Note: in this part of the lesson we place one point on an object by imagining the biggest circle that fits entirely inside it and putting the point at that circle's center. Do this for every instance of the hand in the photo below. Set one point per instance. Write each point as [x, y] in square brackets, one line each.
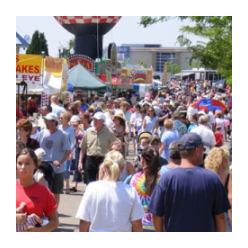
[33, 229]
[56, 163]
[70, 156]
[80, 166]
[35, 218]
[33, 223]
[21, 207]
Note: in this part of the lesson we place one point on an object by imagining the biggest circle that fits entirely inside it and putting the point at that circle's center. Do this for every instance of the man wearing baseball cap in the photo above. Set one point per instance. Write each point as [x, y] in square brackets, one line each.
[189, 198]
[95, 144]
[57, 148]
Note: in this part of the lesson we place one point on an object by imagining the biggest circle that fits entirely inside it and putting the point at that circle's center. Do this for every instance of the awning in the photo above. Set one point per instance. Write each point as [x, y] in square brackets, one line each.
[80, 78]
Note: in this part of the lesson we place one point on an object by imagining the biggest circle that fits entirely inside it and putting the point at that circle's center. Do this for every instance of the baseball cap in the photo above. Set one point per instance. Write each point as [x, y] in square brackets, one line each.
[75, 119]
[51, 117]
[189, 141]
[99, 116]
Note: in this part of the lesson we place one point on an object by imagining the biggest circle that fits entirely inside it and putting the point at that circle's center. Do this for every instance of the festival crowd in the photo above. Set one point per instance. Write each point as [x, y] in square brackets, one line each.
[179, 179]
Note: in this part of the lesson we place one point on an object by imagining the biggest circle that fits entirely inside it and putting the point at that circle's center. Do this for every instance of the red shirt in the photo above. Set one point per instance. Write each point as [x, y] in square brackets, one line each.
[219, 138]
[38, 199]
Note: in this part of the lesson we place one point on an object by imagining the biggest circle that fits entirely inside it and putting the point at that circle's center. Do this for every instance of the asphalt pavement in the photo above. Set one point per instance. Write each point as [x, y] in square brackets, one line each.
[67, 210]
[69, 204]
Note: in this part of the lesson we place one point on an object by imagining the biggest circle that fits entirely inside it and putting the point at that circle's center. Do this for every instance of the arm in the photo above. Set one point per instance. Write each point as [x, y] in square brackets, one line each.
[137, 226]
[80, 161]
[158, 223]
[220, 223]
[84, 226]
[161, 148]
[58, 163]
[229, 189]
[143, 127]
[163, 117]
[52, 224]
[83, 146]
[130, 168]
[21, 218]
[155, 128]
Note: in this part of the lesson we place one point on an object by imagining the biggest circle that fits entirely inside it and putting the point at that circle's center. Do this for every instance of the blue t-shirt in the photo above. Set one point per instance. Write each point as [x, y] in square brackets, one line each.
[180, 127]
[55, 145]
[71, 135]
[189, 198]
[168, 137]
[164, 169]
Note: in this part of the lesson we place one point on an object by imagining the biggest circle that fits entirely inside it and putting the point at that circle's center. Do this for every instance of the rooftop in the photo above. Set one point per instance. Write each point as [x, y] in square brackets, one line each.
[20, 41]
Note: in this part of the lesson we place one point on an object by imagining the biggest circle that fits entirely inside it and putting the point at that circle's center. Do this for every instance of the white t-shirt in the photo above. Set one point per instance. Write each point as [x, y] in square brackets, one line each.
[221, 122]
[206, 134]
[56, 109]
[150, 123]
[110, 206]
[134, 116]
[108, 120]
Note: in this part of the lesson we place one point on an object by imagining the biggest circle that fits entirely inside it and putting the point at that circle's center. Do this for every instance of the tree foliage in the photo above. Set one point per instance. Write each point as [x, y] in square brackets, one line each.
[38, 44]
[173, 68]
[66, 52]
[216, 52]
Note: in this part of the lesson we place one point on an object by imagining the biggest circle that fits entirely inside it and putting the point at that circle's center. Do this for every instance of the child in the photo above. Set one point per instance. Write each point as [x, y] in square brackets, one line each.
[218, 136]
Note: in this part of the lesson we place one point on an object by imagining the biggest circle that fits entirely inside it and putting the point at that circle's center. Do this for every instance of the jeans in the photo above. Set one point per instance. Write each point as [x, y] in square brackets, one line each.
[67, 167]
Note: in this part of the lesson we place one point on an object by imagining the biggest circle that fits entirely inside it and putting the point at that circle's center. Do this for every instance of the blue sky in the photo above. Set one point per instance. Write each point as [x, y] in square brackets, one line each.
[127, 30]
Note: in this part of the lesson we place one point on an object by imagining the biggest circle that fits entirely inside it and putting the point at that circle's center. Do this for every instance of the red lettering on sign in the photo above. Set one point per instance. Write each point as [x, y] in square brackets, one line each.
[28, 69]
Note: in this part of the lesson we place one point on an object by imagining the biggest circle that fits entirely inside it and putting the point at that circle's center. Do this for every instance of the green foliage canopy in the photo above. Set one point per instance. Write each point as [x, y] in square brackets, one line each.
[216, 53]
[38, 44]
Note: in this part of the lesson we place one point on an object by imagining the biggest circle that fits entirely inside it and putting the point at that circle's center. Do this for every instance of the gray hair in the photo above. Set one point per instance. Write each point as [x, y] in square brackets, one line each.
[203, 119]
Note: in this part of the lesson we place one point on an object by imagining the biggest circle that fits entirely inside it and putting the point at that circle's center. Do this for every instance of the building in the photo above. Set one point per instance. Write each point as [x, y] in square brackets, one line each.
[20, 43]
[154, 55]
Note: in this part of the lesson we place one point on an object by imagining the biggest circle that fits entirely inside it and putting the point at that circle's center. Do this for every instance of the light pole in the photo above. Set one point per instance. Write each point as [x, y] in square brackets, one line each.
[42, 67]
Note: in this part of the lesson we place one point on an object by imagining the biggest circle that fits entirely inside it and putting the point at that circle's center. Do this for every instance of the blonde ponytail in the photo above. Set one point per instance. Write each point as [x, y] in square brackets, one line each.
[112, 166]
[115, 171]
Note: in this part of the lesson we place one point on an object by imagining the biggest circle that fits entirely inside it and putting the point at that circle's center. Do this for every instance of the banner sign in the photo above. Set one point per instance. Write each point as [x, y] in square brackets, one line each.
[84, 60]
[53, 65]
[29, 69]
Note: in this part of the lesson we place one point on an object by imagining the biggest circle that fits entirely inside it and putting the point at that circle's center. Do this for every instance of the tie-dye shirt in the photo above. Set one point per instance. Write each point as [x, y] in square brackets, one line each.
[138, 182]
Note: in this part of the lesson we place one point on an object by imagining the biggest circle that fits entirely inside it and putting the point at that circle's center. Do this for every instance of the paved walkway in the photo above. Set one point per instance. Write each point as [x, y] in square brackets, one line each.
[67, 210]
[69, 204]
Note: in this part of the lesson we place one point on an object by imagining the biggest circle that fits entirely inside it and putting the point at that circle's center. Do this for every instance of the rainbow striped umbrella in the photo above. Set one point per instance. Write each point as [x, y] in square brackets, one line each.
[209, 104]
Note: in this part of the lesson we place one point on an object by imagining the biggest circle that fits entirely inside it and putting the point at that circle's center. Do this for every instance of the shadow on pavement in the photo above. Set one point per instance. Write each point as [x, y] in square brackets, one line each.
[66, 228]
[64, 215]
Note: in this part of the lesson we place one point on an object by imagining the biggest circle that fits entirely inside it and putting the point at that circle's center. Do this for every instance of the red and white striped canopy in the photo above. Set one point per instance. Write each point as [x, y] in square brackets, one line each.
[87, 19]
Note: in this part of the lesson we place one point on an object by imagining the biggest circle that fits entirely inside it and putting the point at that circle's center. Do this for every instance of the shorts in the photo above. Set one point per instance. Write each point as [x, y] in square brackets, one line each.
[58, 183]
[67, 167]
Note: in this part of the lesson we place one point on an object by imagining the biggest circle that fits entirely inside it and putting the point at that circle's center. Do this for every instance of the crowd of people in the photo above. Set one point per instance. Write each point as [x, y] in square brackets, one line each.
[179, 179]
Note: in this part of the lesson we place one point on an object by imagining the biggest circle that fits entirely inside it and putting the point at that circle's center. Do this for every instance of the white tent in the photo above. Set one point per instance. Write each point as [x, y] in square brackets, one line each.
[52, 84]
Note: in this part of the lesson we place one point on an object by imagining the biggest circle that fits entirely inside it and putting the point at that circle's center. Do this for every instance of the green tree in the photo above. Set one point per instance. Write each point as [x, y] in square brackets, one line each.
[195, 63]
[216, 52]
[38, 44]
[66, 52]
[142, 63]
[43, 44]
[173, 68]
